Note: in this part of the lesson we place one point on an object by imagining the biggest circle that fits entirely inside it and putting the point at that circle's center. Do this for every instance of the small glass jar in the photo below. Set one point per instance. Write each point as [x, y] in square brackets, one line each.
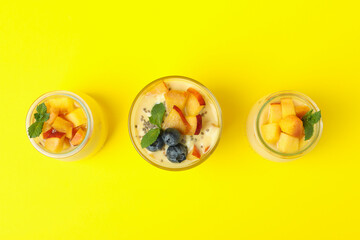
[178, 81]
[96, 132]
[254, 123]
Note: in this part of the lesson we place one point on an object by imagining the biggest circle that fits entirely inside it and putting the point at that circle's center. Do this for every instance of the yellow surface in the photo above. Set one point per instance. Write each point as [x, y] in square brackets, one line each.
[241, 50]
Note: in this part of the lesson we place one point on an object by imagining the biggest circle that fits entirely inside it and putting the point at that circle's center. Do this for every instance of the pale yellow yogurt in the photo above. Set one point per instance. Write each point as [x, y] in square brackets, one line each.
[205, 141]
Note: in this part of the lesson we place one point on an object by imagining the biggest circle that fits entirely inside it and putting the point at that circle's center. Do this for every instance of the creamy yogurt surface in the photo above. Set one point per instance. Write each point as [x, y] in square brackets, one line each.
[205, 141]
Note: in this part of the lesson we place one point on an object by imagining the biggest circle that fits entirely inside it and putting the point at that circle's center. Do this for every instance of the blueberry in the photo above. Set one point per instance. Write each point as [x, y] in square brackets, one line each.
[157, 145]
[171, 136]
[177, 153]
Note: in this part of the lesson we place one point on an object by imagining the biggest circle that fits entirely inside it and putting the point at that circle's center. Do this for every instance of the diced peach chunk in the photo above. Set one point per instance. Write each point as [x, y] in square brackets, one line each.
[78, 137]
[61, 125]
[159, 89]
[177, 120]
[55, 144]
[288, 144]
[54, 112]
[195, 103]
[292, 125]
[63, 104]
[301, 110]
[52, 133]
[287, 107]
[77, 117]
[175, 98]
[66, 144]
[195, 124]
[271, 132]
[194, 154]
[275, 113]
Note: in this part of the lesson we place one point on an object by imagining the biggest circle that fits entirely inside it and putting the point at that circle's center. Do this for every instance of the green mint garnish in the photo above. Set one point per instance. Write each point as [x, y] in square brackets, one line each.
[40, 117]
[150, 137]
[156, 118]
[157, 114]
[309, 119]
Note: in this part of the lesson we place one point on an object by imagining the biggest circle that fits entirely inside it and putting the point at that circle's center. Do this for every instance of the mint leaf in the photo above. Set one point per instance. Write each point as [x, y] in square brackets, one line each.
[35, 129]
[157, 114]
[150, 137]
[309, 119]
[315, 117]
[41, 109]
[309, 130]
[307, 115]
[40, 117]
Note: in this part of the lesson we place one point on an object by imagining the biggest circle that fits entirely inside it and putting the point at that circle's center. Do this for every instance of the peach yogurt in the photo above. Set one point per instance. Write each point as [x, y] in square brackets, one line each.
[284, 126]
[66, 126]
[175, 123]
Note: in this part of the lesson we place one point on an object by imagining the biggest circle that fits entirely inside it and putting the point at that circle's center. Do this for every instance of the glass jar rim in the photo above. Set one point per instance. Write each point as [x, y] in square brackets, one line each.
[309, 102]
[83, 105]
[218, 110]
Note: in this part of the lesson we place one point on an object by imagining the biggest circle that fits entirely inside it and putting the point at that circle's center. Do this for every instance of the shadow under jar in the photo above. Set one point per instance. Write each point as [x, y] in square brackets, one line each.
[78, 122]
[260, 114]
[161, 91]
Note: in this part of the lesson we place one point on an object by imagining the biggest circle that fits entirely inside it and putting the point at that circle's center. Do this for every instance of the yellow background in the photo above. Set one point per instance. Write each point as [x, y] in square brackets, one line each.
[241, 50]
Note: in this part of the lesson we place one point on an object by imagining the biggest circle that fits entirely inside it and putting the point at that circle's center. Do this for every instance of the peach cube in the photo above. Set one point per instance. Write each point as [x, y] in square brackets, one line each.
[63, 104]
[275, 113]
[301, 110]
[292, 125]
[175, 98]
[61, 125]
[288, 144]
[271, 132]
[195, 102]
[287, 107]
[159, 89]
[177, 120]
[54, 144]
[195, 124]
[77, 117]
[78, 137]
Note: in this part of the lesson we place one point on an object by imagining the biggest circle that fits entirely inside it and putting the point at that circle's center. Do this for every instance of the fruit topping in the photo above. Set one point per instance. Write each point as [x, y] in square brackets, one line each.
[195, 124]
[159, 89]
[54, 112]
[61, 125]
[288, 144]
[177, 120]
[301, 110]
[194, 154]
[195, 103]
[287, 107]
[175, 97]
[275, 113]
[77, 117]
[177, 153]
[171, 136]
[78, 137]
[52, 133]
[271, 132]
[54, 144]
[63, 104]
[292, 125]
[157, 145]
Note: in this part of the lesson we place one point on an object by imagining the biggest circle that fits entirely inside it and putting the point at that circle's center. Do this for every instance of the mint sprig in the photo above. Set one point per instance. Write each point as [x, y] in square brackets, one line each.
[309, 120]
[150, 137]
[156, 118]
[157, 114]
[41, 116]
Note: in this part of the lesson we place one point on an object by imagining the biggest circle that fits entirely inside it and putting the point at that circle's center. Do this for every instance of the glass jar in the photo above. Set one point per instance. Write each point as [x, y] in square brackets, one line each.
[254, 123]
[96, 132]
[178, 83]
